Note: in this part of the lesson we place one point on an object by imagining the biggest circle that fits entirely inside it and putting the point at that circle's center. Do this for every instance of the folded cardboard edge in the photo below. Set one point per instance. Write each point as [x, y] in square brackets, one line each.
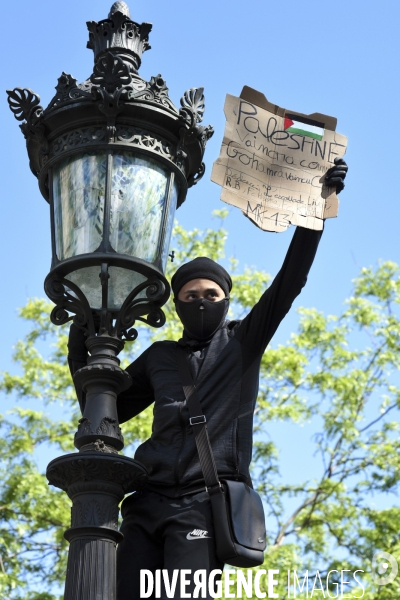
[251, 95]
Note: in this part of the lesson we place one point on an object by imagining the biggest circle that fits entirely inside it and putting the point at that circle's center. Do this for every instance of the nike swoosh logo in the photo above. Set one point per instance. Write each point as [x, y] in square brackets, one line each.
[197, 537]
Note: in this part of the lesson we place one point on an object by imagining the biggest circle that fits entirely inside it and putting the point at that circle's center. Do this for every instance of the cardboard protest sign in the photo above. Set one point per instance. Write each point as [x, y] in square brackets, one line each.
[273, 162]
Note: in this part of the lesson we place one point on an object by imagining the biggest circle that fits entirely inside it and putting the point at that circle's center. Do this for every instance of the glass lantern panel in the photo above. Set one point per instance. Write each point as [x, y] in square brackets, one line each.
[120, 284]
[78, 195]
[138, 197]
[169, 223]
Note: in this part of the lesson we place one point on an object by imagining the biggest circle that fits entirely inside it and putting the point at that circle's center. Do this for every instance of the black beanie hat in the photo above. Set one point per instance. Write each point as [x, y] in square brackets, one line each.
[201, 268]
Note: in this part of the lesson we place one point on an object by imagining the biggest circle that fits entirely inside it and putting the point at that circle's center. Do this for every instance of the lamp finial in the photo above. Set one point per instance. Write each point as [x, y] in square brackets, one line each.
[121, 7]
[119, 35]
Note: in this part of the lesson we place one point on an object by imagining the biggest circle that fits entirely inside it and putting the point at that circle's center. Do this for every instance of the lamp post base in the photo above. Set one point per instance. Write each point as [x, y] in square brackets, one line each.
[97, 579]
[96, 482]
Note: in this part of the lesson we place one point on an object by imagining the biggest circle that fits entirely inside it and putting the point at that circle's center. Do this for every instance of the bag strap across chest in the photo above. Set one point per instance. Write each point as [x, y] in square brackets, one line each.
[238, 516]
[198, 422]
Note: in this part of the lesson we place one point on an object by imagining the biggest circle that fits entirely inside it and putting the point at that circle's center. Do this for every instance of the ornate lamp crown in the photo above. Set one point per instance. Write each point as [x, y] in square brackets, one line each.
[138, 114]
[119, 35]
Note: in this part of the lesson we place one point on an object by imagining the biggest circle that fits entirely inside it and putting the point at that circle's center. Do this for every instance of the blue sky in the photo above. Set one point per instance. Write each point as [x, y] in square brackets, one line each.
[309, 56]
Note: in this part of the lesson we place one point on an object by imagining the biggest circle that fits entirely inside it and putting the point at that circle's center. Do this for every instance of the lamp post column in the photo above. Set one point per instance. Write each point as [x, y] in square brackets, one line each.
[114, 158]
[98, 477]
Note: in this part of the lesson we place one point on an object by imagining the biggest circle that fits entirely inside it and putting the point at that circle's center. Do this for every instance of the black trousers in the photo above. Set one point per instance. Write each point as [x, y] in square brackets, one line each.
[164, 533]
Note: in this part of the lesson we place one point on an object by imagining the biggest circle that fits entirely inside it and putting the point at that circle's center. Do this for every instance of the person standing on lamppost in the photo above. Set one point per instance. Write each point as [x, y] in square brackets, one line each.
[161, 524]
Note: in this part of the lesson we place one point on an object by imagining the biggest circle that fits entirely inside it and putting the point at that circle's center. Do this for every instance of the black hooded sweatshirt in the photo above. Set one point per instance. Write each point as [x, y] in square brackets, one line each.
[226, 374]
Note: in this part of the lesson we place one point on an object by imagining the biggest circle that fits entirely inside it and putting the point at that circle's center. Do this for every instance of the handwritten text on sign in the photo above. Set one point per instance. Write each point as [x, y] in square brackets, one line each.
[272, 167]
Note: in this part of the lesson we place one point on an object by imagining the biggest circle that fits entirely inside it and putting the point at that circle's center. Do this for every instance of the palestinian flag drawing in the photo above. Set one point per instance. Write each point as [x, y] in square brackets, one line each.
[303, 126]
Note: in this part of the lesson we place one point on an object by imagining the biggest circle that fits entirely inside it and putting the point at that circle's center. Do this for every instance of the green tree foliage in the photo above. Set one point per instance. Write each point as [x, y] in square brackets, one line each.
[337, 377]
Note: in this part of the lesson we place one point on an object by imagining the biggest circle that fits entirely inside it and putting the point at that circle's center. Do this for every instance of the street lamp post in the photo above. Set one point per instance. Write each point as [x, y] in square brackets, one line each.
[114, 158]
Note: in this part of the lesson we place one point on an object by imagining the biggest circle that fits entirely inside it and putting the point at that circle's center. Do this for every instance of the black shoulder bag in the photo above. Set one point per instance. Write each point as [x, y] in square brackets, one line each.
[238, 513]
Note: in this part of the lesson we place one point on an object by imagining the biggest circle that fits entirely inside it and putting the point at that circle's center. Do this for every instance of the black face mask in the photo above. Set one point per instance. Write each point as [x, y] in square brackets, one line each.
[202, 318]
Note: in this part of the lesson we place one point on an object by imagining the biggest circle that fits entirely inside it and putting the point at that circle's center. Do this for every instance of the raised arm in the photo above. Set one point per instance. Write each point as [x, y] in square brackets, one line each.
[257, 329]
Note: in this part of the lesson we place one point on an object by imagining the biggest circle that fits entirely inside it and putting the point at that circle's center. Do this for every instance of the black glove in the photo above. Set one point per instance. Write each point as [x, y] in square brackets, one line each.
[335, 176]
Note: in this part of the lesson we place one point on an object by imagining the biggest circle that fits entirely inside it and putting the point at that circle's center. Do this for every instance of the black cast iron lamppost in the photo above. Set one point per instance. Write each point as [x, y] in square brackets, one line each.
[114, 158]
